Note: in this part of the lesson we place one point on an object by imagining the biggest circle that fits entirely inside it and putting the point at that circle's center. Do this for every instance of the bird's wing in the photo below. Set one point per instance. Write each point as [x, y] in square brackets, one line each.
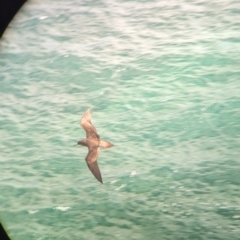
[91, 160]
[87, 125]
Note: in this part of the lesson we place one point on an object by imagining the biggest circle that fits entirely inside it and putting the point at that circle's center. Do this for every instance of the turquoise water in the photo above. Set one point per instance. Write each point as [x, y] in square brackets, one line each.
[162, 79]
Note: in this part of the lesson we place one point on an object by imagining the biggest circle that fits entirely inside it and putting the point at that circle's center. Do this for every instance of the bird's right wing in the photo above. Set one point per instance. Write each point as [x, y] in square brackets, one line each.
[87, 125]
[91, 160]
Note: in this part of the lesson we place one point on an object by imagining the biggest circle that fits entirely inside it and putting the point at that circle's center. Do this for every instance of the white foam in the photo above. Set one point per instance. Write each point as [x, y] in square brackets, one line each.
[61, 208]
[32, 211]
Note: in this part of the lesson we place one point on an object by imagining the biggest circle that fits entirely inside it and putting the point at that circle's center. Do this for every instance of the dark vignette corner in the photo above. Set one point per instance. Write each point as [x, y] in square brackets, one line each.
[8, 9]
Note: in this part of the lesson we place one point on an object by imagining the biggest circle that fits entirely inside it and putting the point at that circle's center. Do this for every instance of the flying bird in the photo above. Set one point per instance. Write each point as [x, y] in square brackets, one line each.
[94, 143]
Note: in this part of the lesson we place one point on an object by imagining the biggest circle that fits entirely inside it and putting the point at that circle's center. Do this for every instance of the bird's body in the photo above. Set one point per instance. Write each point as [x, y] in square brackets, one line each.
[93, 142]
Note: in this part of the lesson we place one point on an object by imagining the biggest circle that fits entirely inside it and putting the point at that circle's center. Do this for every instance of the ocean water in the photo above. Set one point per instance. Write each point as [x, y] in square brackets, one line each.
[162, 79]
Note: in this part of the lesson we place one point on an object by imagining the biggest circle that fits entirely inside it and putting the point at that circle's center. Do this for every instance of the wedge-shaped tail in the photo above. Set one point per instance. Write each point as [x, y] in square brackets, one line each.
[105, 144]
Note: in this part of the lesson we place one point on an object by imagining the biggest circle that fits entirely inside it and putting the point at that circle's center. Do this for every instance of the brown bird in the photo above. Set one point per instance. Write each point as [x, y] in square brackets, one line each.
[93, 142]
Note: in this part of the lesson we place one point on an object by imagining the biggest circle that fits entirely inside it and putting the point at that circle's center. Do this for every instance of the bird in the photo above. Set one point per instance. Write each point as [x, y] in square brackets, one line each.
[94, 143]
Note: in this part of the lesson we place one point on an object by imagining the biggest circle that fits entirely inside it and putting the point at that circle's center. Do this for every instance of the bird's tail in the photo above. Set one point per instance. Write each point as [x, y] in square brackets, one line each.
[105, 144]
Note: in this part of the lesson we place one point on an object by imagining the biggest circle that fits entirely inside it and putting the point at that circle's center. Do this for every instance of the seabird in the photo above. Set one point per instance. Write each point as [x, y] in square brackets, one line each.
[93, 142]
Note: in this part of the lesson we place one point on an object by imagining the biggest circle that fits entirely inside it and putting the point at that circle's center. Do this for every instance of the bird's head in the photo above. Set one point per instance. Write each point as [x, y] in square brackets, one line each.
[82, 143]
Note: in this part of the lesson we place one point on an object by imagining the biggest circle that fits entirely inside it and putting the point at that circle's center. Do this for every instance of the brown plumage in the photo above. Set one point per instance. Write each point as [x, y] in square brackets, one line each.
[93, 142]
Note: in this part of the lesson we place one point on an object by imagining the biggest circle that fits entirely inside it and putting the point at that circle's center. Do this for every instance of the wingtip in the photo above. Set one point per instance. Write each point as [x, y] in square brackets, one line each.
[100, 180]
[88, 110]
[86, 116]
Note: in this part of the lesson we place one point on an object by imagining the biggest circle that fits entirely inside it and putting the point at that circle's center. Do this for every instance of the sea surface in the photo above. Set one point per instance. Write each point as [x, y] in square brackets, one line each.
[162, 79]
